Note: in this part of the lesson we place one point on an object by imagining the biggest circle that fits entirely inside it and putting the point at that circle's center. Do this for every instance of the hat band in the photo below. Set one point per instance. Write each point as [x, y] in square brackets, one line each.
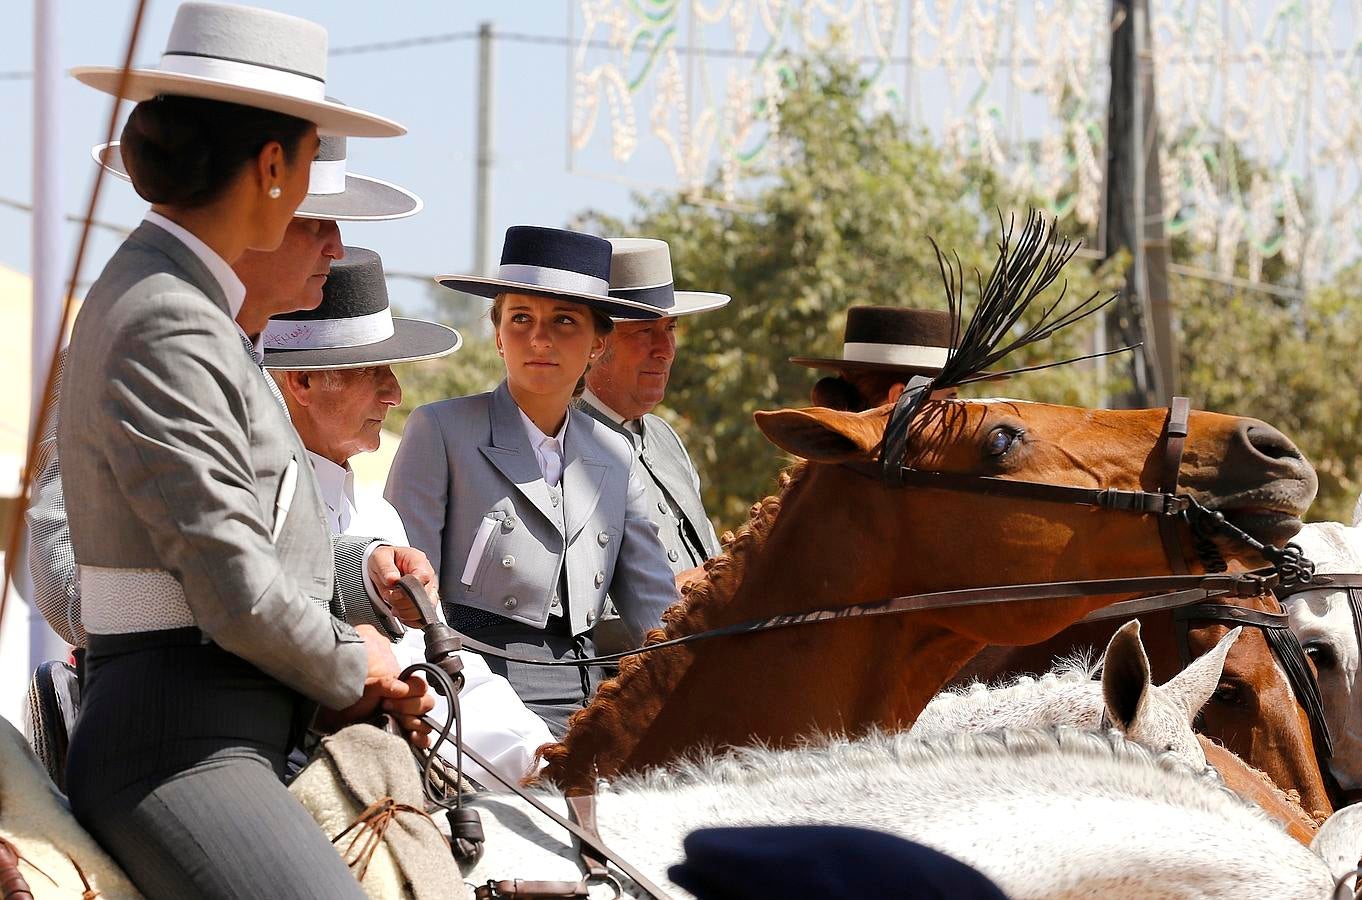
[660, 296]
[896, 354]
[329, 334]
[552, 279]
[327, 176]
[248, 75]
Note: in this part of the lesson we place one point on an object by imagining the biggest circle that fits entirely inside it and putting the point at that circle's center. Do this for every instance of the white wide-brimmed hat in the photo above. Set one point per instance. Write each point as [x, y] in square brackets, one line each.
[641, 271]
[353, 327]
[254, 57]
[553, 262]
[333, 193]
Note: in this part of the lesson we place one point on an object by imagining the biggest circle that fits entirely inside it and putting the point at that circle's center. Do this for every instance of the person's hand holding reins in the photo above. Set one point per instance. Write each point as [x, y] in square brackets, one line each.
[406, 700]
[387, 564]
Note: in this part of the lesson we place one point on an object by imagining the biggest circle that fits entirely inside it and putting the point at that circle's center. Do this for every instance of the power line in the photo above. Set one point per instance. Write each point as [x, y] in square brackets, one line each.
[120, 230]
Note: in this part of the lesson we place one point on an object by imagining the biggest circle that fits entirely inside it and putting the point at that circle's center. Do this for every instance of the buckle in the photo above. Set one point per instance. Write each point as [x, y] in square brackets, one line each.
[1249, 585]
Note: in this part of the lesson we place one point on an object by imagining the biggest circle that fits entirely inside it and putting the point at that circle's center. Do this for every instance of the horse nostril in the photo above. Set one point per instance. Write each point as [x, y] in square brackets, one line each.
[1269, 442]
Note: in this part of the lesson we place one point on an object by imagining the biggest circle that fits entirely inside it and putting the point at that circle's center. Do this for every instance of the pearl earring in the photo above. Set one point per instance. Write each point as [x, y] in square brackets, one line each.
[275, 192]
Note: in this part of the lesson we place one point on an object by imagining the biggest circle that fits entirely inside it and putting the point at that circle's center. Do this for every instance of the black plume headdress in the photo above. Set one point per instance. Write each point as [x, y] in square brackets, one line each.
[1024, 270]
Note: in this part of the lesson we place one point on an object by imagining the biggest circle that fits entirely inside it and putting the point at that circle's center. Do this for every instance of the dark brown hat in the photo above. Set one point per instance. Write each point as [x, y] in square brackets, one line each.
[890, 339]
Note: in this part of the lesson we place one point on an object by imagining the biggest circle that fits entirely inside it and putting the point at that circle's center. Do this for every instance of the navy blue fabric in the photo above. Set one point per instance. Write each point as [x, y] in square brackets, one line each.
[663, 296]
[556, 248]
[823, 861]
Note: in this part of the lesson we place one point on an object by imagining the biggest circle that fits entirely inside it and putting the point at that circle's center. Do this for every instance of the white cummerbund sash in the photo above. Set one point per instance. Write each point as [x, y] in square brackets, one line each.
[327, 176]
[260, 78]
[896, 354]
[126, 601]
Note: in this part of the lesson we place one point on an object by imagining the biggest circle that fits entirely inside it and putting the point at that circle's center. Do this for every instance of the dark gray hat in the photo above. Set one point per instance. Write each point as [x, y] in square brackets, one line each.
[890, 338]
[240, 54]
[333, 193]
[353, 326]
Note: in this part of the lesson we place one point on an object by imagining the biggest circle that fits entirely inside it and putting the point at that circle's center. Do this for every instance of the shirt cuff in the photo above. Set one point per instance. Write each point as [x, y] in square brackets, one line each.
[357, 600]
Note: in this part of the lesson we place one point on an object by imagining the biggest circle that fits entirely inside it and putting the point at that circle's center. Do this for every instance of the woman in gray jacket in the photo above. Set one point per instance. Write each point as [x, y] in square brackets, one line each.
[204, 561]
[528, 508]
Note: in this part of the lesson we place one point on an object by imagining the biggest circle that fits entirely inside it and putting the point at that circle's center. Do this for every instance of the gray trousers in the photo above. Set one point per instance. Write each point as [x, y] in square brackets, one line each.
[175, 767]
[552, 693]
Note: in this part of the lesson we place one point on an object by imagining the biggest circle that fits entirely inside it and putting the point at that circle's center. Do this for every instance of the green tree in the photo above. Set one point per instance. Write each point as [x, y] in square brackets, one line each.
[841, 217]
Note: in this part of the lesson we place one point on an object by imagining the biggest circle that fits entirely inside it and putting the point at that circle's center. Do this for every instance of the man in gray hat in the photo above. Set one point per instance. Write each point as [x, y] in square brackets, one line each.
[333, 365]
[628, 381]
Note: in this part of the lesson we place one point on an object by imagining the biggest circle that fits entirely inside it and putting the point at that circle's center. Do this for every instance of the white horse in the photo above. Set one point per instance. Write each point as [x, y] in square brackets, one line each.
[1157, 717]
[1323, 621]
[1053, 814]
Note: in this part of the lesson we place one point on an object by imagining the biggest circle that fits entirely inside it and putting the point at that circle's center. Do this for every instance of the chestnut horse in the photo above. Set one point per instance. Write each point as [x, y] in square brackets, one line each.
[837, 537]
[1254, 713]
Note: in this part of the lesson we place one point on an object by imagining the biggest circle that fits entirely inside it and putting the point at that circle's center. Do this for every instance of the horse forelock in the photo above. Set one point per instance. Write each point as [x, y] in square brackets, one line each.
[643, 681]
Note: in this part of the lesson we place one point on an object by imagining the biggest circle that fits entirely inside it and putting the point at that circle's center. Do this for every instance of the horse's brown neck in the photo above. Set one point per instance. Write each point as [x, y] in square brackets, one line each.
[774, 687]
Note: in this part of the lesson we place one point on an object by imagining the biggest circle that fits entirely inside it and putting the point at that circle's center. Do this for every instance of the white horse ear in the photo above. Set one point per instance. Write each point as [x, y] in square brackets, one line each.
[1125, 676]
[1194, 685]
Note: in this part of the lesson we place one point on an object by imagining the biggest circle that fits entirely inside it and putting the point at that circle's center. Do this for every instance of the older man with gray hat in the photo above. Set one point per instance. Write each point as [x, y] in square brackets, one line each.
[624, 386]
[333, 365]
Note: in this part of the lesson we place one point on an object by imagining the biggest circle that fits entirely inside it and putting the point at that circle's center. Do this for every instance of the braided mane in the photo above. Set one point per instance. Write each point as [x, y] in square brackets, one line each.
[645, 681]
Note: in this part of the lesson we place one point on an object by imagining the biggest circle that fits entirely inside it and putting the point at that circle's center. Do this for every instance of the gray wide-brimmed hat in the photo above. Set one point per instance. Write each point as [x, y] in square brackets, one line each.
[240, 54]
[890, 339]
[553, 262]
[641, 270]
[332, 192]
[353, 326]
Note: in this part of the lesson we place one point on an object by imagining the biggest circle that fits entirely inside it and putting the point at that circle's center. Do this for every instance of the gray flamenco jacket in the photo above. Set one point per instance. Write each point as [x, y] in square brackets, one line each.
[173, 454]
[468, 487]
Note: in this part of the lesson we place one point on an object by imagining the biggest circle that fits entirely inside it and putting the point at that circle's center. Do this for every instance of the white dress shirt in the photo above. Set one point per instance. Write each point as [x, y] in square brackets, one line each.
[548, 451]
[599, 404]
[495, 722]
[219, 268]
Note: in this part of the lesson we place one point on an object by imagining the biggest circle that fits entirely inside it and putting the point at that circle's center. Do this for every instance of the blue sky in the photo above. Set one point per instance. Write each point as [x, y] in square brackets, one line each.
[429, 89]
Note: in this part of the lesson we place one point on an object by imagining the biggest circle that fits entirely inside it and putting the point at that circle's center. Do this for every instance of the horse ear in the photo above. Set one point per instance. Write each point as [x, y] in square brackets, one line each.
[1125, 675]
[1194, 685]
[822, 435]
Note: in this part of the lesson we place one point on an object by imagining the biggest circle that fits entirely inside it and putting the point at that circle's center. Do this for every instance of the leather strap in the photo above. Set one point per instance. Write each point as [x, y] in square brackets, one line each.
[532, 890]
[582, 810]
[1175, 439]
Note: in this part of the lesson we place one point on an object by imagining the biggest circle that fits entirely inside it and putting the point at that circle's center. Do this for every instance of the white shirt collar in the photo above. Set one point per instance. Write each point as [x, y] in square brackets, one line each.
[231, 285]
[337, 485]
[544, 446]
[257, 346]
[599, 405]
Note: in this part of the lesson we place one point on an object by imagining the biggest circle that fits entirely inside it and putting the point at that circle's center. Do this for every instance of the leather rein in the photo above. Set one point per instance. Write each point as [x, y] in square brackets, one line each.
[1288, 568]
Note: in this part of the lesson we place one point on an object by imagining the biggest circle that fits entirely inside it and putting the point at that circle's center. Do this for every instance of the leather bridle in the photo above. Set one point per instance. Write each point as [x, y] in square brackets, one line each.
[1288, 568]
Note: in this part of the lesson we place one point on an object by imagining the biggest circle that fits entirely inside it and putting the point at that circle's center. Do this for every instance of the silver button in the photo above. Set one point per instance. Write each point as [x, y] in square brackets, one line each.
[557, 605]
[553, 498]
[510, 602]
[673, 555]
[591, 618]
[600, 579]
[508, 524]
[603, 538]
[662, 507]
[508, 560]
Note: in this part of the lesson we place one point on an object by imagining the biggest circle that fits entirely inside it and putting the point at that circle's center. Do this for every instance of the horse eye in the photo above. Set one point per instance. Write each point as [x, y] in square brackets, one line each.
[1001, 440]
[1228, 693]
[1322, 655]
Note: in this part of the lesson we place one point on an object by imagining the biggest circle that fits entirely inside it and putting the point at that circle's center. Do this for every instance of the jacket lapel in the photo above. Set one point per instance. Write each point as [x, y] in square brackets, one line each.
[512, 454]
[583, 476]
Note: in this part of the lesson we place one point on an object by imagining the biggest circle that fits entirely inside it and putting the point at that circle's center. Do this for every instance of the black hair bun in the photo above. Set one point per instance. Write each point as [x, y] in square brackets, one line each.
[168, 151]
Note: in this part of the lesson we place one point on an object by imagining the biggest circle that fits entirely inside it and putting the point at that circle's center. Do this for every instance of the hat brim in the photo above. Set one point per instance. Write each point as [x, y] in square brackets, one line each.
[828, 362]
[613, 307]
[329, 117]
[688, 303]
[413, 340]
[364, 199]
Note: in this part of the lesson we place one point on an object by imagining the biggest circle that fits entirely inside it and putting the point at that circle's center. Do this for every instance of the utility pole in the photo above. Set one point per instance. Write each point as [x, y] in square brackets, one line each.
[1134, 212]
[48, 290]
[482, 202]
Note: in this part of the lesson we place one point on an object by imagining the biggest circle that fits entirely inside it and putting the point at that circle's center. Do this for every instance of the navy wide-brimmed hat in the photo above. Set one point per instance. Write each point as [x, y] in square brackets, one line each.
[333, 193]
[354, 326]
[553, 262]
[239, 54]
[641, 270]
